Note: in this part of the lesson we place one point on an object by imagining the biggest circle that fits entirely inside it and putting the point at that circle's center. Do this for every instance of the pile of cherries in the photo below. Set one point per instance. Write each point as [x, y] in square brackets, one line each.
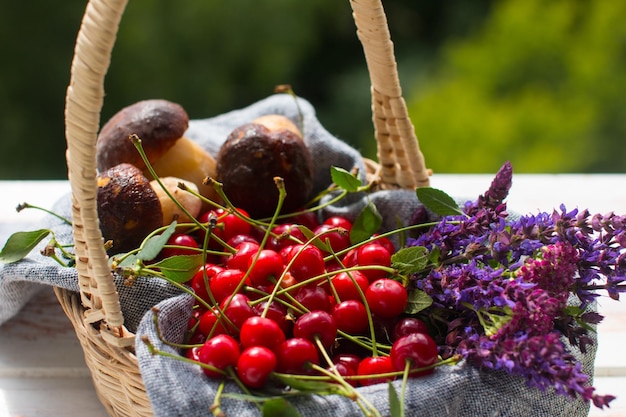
[290, 306]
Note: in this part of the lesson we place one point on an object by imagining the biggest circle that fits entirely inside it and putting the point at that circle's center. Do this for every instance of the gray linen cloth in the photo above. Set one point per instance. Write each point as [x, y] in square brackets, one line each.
[179, 389]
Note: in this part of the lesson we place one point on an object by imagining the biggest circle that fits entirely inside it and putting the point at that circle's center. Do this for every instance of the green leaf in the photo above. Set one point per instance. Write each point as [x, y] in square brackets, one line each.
[153, 245]
[410, 260]
[317, 387]
[344, 179]
[180, 268]
[366, 224]
[20, 244]
[279, 407]
[396, 408]
[438, 201]
[127, 261]
[315, 241]
[418, 301]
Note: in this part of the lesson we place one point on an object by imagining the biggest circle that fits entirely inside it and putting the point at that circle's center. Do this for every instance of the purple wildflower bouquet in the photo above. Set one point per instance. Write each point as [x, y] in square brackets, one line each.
[508, 292]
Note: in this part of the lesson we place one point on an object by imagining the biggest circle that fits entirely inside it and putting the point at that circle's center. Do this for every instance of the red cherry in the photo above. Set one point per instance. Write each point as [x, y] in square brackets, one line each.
[313, 297]
[306, 261]
[295, 355]
[386, 298]
[316, 324]
[339, 221]
[345, 371]
[345, 283]
[417, 348]
[409, 325]
[221, 352]
[350, 316]
[237, 309]
[182, 240]
[337, 239]
[227, 224]
[210, 324]
[385, 243]
[200, 281]
[192, 353]
[255, 365]
[349, 259]
[261, 331]
[373, 254]
[224, 283]
[373, 366]
[239, 239]
[233, 224]
[241, 258]
[349, 359]
[276, 312]
[308, 219]
[283, 235]
[267, 265]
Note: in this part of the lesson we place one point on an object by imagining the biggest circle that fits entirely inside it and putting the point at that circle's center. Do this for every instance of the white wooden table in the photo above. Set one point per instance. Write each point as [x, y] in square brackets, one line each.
[42, 371]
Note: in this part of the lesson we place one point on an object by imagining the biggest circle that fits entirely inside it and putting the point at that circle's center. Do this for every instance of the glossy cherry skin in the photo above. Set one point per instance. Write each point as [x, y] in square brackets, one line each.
[350, 317]
[237, 309]
[266, 266]
[337, 238]
[339, 221]
[373, 254]
[201, 279]
[313, 297]
[375, 365]
[419, 349]
[255, 365]
[295, 355]
[221, 352]
[261, 331]
[347, 283]
[180, 239]
[210, 323]
[241, 258]
[303, 261]
[284, 235]
[386, 298]
[225, 282]
[349, 359]
[408, 325]
[316, 324]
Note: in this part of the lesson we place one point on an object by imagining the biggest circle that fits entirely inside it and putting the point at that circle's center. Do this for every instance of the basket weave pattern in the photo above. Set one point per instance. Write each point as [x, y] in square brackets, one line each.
[95, 312]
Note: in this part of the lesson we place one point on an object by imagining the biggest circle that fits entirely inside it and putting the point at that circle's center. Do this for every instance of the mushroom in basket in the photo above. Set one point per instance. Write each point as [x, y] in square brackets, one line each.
[160, 124]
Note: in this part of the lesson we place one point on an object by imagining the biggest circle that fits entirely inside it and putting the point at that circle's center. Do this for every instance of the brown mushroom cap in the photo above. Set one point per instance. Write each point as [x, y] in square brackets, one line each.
[128, 207]
[158, 123]
[252, 156]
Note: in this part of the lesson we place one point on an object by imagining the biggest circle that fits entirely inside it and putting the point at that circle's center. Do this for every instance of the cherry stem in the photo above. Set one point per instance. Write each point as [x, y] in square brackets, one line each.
[137, 142]
[25, 205]
[215, 408]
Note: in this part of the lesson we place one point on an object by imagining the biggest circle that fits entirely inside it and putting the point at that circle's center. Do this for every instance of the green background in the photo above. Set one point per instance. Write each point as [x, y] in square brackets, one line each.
[541, 84]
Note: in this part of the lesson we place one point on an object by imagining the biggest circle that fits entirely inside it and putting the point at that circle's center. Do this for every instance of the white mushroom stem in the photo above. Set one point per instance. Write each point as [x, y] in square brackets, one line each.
[190, 162]
[170, 209]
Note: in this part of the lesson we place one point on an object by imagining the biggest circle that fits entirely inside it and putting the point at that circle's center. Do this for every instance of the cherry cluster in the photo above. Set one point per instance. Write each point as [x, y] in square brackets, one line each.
[276, 303]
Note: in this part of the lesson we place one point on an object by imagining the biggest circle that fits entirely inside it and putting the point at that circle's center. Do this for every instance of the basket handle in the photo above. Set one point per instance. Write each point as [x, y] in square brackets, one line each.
[83, 104]
[401, 161]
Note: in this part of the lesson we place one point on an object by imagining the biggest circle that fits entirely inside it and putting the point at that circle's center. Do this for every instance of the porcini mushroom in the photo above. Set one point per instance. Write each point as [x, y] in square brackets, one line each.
[160, 124]
[130, 206]
[255, 153]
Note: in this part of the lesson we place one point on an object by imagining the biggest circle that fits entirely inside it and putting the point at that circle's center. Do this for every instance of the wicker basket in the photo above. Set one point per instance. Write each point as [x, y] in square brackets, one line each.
[95, 312]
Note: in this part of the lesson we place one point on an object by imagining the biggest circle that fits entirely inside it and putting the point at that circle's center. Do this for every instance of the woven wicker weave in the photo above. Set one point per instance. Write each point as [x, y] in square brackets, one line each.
[95, 312]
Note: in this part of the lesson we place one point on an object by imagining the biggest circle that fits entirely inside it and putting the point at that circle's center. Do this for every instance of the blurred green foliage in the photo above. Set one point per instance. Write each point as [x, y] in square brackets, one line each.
[537, 83]
[541, 84]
